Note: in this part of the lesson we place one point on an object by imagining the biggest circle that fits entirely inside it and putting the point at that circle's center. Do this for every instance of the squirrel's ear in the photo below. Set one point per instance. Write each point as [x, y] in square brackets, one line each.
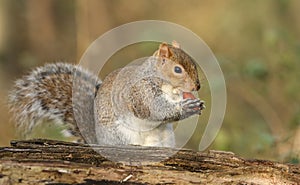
[175, 44]
[164, 50]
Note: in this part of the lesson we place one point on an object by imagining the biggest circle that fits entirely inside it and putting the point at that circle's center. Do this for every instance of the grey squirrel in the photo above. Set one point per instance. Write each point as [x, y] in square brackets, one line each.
[133, 105]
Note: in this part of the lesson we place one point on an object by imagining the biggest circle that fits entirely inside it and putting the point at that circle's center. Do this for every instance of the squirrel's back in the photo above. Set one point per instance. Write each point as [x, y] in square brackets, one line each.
[45, 95]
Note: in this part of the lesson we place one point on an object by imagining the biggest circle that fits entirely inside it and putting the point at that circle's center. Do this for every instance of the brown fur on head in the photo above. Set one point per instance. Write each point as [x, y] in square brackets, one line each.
[182, 59]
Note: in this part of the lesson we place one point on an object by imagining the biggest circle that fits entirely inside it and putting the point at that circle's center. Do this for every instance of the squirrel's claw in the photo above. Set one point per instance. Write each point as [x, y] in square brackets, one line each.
[202, 106]
[192, 106]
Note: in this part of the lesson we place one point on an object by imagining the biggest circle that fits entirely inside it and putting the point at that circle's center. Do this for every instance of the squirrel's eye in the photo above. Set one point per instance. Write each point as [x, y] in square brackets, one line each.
[178, 69]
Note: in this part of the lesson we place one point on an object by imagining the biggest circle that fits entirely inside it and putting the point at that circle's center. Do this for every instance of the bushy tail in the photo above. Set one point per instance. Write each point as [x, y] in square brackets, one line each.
[46, 94]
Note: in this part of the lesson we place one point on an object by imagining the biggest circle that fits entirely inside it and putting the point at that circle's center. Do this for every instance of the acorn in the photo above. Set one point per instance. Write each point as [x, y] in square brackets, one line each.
[188, 95]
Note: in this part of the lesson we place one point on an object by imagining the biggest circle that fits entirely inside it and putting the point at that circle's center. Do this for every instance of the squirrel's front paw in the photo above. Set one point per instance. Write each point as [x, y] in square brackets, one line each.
[192, 106]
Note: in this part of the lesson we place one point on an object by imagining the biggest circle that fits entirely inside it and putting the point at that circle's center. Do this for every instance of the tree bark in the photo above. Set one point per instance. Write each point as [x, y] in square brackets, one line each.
[55, 162]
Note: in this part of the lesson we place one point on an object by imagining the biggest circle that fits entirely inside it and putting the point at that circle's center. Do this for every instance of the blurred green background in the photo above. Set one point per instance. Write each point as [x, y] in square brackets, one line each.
[257, 44]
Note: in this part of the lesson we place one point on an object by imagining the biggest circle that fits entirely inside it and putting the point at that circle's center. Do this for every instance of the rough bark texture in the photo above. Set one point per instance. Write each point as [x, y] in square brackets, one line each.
[57, 163]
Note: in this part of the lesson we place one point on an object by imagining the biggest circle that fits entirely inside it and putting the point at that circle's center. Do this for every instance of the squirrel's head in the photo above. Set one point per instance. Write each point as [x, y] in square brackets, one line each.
[178, 67]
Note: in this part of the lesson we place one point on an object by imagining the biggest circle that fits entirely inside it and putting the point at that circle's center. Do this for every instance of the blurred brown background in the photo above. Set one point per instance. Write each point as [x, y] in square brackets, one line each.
[257, 44]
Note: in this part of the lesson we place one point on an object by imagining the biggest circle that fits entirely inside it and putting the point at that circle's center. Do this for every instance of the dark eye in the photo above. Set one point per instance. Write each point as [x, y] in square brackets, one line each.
[178, 69]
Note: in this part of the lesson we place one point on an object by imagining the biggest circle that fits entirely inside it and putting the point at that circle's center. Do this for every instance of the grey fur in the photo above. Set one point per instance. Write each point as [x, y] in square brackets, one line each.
[45, 94]
[134, 105]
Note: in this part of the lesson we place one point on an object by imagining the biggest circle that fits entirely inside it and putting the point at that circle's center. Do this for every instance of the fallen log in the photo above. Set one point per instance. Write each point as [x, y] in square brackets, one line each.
[56, 163]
